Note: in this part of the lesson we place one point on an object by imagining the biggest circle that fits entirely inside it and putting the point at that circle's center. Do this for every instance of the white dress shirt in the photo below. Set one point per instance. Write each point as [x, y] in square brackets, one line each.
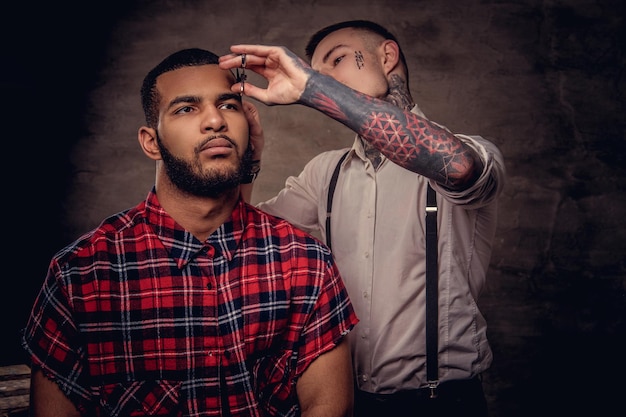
[378, 240]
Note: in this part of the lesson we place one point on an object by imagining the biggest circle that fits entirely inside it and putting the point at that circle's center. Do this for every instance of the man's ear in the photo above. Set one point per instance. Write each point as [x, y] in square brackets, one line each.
[390, 55]
[147, 137]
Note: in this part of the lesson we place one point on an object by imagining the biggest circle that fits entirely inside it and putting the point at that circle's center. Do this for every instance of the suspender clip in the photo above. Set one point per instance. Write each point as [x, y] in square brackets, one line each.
[432, 386]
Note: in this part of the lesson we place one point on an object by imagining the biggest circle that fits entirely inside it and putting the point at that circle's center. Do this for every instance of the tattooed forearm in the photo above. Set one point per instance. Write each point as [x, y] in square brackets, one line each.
[405, 138]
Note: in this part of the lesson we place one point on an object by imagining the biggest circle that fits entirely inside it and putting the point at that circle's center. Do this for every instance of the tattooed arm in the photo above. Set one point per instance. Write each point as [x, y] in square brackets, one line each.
[405, 138]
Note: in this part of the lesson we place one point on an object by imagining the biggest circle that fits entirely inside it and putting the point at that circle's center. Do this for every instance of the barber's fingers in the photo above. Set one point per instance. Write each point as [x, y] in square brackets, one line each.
[251, 112]
[286, 74]
[254, 120]
[251, 90]
[255, 50]
[257, 139]
[259, 58]
[246, 59]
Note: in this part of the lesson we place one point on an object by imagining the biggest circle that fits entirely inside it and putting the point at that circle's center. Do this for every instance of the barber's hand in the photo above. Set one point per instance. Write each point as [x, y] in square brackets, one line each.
[257, 138]
[285, 72]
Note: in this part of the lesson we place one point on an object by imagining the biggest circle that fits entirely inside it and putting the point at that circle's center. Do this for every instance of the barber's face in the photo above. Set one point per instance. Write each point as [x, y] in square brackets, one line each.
[343, 56]
[202, 132]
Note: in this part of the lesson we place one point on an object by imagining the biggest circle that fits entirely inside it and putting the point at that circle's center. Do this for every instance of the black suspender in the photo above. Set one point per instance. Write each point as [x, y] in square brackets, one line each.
[331, 192]
[432, 297]
[432, 307]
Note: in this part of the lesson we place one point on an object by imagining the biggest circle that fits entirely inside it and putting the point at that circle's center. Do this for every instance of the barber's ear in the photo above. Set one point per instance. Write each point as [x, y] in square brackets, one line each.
[147, 137]
[391, 55]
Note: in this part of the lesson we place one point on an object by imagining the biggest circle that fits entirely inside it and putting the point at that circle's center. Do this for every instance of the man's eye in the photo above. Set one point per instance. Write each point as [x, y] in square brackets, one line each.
[229, 106]
[185, 109]
[338, 60]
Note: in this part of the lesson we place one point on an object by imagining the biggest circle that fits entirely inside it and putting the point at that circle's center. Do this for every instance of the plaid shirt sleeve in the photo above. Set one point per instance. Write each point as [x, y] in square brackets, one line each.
[320, 316]
[331, 318]
[50, 338]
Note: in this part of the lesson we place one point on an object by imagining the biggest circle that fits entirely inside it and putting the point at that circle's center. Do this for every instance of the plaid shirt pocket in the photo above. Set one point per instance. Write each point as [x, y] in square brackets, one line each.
[142, 398]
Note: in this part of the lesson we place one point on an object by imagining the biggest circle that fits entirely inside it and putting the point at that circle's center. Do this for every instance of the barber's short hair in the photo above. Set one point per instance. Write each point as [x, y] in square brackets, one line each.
[364, 25]
[184, 58]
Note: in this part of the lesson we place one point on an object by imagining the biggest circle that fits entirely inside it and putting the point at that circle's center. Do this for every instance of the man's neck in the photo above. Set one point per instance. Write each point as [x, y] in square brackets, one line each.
[200, 216]
[399, 93]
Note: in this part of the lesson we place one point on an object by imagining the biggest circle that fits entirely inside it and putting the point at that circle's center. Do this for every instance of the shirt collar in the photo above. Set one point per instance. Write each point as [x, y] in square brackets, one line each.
[184, 246]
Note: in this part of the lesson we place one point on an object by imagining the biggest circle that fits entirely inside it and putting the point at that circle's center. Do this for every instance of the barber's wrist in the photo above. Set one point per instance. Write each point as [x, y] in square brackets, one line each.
[255, 168]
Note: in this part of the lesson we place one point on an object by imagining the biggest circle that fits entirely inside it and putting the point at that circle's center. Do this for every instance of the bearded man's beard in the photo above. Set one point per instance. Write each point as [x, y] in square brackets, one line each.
[190, 178]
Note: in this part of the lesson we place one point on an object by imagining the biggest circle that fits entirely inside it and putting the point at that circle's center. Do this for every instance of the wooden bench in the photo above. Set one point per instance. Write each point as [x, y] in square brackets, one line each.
[14, 390]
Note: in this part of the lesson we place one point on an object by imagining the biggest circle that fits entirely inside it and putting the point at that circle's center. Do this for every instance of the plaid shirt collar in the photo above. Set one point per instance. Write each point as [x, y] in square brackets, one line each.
[182, 245]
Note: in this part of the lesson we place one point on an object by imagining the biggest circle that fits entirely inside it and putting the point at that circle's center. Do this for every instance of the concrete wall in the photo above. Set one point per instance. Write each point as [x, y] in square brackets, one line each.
[542, 79]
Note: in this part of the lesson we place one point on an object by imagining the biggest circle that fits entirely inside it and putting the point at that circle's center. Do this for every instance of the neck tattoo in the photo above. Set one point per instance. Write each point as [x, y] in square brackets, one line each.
[399, 94]
[372, 154]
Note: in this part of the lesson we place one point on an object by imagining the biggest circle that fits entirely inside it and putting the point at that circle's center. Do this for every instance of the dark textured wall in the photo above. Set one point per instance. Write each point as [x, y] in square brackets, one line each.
[542, 79]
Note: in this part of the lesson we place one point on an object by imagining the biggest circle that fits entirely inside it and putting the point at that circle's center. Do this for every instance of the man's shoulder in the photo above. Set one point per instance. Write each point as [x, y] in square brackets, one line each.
[320, 169]
[267, 223]
[111, 229]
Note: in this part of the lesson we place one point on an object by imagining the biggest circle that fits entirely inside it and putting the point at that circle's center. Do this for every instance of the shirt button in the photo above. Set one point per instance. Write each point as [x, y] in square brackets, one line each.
[364, 378]
[209, 286]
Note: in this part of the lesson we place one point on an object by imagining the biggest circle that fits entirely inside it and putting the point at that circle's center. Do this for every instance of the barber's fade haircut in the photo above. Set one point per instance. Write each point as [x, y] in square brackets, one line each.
[365, 25]
[191, 57]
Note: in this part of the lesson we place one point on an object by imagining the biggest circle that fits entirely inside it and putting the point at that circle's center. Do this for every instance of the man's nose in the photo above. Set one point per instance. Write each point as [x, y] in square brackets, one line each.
[213, 119]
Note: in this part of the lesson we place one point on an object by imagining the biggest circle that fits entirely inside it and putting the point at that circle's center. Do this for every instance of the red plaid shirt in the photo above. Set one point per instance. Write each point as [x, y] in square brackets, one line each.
[138, 317]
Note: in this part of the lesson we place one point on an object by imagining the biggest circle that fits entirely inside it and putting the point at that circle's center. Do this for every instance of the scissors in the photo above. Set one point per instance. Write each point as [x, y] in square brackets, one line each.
[242, 77]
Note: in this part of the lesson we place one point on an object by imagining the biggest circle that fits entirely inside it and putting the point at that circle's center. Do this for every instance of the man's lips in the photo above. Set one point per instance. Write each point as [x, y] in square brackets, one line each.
[217, 146]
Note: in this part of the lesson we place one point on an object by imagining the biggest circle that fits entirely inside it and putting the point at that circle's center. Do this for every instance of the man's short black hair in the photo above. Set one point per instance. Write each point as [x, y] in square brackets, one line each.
[183, 58]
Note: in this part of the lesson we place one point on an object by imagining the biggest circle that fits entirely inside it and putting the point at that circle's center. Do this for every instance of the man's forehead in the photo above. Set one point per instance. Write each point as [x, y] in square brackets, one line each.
[209, 69]
[210, 74]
